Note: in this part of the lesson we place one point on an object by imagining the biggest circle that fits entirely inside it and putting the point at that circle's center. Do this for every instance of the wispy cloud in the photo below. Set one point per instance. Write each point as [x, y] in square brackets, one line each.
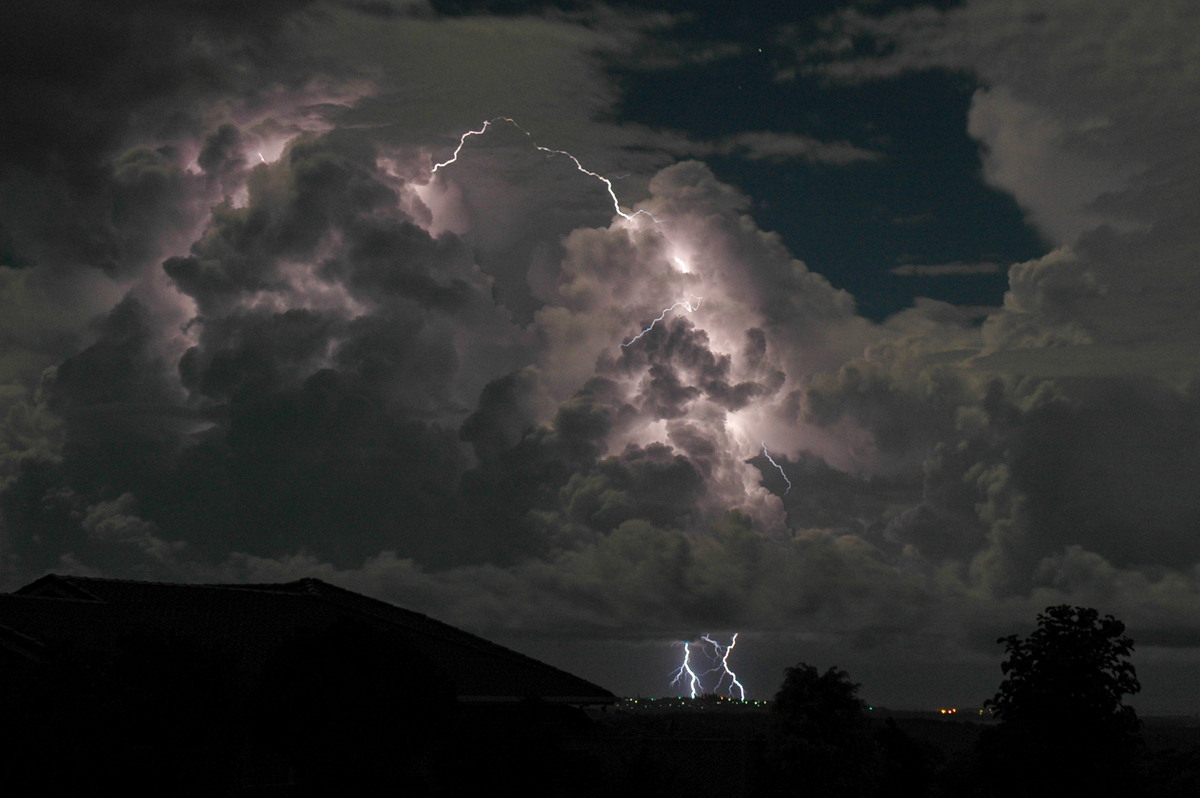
[763, 145]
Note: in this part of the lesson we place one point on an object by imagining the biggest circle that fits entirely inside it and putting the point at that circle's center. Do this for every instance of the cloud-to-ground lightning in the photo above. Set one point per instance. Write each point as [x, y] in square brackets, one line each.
[607, 183]
[690, 303]
[767, 454]
[724, 652]
[686, 669]
[720, 657]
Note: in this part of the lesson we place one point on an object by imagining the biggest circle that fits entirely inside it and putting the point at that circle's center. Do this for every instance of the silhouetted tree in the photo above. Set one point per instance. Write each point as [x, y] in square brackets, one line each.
[1063, 721]
[822, 737]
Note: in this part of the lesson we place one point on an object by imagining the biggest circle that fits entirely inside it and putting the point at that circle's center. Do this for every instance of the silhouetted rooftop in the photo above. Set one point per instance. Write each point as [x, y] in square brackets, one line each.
[248, 622]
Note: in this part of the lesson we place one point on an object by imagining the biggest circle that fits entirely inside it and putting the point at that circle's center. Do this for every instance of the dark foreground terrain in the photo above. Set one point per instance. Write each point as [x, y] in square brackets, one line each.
[727, 749]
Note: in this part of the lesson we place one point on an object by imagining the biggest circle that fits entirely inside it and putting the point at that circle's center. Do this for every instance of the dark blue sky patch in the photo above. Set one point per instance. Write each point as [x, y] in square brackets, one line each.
[924, 201]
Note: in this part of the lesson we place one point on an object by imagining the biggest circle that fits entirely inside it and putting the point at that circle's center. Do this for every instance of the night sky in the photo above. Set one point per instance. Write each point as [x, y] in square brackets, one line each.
[938, 261]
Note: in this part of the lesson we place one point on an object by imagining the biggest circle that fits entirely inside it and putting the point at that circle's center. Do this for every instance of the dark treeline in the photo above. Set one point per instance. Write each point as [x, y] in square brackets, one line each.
[1060, 727]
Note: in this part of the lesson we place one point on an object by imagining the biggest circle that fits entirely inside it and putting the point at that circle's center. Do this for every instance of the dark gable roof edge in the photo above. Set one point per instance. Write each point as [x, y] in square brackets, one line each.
[382, 610]
[91, 590]
[56, 586]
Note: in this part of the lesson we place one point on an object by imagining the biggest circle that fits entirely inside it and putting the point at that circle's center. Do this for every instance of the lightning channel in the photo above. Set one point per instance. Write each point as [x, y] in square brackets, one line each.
[723, 652]
[767, 454]
[686, 303]
[607, 183]
[462, 140]
[685, 669]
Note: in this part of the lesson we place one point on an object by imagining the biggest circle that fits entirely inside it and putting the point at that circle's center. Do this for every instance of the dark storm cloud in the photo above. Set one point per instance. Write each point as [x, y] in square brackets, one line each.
[94, 63]
[223, 158]
[122, 367]
[557, 480]
[326, 186]
[246, 337]
[383, 258]
[247, 353]
[107, 105]
[655, 483]
[1030, 468]
[328, 404]
[290, 452]
[904, 417]
[297, 409]
[121, 427]
[82, 80]
[503, 417]
[1099, 466]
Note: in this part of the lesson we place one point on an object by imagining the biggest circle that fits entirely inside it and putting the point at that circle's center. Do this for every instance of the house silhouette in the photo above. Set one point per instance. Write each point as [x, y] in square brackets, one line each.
[251, 621]
[296, 688]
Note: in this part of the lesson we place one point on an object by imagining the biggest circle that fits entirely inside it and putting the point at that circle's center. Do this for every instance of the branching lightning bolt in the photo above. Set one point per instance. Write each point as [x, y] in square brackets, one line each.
[723, 652]
[686, 669]
[690, 303]
[607, 183]
[687, 304]
[777, 465]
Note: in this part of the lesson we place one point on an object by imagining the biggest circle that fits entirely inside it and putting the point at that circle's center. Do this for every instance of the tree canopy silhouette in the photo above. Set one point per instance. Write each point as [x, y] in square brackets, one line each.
[1075, 665]
[822, 736]
[1061, 703]
[824, 705]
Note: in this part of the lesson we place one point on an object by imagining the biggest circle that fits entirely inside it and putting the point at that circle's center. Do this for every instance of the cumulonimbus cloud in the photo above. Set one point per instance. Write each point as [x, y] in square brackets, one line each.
[486, 394]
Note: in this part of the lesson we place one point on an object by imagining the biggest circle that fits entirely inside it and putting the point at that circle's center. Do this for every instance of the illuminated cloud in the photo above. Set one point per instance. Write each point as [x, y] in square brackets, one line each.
[248, 333]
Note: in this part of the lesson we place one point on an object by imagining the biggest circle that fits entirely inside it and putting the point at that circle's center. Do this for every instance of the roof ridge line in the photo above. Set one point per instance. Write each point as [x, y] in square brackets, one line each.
[477, 641]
